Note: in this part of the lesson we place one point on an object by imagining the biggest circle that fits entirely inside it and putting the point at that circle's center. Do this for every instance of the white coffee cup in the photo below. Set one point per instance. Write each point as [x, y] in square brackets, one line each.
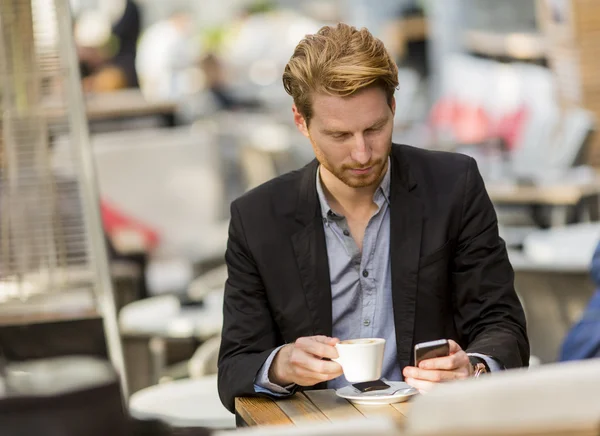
[361, 359]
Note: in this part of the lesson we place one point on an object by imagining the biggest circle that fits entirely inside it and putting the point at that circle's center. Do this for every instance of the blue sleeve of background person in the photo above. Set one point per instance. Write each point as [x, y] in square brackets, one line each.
[595, 267]
[583, 340]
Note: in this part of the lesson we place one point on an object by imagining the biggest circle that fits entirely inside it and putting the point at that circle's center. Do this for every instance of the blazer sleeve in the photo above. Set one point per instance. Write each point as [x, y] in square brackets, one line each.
[249, 332]
[488, 313]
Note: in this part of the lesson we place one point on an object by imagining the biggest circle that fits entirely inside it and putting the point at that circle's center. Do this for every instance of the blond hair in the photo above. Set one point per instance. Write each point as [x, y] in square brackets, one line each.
[338, 61]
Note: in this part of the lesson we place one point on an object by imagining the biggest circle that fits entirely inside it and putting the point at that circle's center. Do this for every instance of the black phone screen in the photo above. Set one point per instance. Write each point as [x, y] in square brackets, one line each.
[431, 350]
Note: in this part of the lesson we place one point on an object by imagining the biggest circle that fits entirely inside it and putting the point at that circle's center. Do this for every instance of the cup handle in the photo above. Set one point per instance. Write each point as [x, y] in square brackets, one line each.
[339, 359]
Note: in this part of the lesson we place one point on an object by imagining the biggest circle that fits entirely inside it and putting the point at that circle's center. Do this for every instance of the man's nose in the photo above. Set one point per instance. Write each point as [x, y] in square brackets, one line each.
[361, 152]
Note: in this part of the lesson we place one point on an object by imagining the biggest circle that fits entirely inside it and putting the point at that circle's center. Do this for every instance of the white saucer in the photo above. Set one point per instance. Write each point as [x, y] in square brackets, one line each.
[398, 392]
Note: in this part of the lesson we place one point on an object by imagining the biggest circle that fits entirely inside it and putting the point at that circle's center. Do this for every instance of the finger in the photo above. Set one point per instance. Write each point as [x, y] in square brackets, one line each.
[326, 340]
[421, 385]
[440, 363]
[305, 377]
[448, 363]
[454, 347]
[317, 348]
[305, 360]
[435, 376]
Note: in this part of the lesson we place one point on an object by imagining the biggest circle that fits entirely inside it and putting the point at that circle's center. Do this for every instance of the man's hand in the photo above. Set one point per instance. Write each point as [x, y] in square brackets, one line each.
[304, 364]
[455, 366]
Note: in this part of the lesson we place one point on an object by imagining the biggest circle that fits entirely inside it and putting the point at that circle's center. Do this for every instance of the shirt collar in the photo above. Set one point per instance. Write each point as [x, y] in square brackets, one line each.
[382, 191]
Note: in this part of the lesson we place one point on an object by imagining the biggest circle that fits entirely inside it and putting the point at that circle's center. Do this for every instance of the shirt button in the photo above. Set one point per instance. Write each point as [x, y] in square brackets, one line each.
[346, 233]
[366, 322]
[365, 273]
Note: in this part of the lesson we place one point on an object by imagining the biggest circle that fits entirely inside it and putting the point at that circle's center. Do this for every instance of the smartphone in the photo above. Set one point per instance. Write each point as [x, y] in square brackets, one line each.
[375, 385]
[431, 349]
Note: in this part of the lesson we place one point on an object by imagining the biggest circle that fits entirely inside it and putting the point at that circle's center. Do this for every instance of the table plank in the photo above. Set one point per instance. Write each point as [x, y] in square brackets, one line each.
[403, 408]
[332, 406]
[300, 410]
[373, 411]
[260, 411]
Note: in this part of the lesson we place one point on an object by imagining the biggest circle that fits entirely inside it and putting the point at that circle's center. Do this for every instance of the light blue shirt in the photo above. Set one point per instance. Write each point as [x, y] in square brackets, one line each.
[361, 286]
[361, 282]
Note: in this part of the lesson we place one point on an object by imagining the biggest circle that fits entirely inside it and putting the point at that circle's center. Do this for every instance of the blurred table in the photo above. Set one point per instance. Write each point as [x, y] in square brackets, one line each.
[513, 45]
[310, 407]
[126, 103]
[559, 197]
[183, 403]
[116, 105]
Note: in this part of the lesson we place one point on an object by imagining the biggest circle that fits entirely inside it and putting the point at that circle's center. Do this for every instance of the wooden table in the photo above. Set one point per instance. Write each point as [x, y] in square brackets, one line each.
[310, 407]
[559, 197]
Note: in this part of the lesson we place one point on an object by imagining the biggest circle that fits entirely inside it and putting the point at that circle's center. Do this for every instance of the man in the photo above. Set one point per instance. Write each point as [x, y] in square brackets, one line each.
[107, 66]
[372, 239]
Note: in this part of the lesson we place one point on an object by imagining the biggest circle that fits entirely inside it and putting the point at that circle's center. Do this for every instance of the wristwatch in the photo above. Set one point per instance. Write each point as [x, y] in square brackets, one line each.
[479, 366]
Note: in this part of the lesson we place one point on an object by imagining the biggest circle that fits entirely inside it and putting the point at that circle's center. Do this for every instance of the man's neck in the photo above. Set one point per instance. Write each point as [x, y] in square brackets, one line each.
[344, 199]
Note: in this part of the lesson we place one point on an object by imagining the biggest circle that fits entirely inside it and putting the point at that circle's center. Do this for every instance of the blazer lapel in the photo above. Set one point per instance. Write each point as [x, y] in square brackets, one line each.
[311, 253]
[406, 218]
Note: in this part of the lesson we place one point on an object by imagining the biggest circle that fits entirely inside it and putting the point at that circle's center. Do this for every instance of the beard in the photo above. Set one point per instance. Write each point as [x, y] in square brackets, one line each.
[345, 174]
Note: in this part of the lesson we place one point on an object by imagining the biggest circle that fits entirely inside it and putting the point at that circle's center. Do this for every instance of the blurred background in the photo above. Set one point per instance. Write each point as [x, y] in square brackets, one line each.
[183, 110]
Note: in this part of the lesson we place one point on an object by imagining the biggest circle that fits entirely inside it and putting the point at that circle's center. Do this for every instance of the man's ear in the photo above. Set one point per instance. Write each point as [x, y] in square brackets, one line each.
[299, 121]
[393, 105]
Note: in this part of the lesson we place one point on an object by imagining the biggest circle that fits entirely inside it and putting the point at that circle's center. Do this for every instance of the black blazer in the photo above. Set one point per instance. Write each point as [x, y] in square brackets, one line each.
[451, 277]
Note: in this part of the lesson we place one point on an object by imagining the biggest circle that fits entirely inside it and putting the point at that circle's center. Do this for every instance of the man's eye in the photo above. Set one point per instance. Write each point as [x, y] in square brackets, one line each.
[340, 136]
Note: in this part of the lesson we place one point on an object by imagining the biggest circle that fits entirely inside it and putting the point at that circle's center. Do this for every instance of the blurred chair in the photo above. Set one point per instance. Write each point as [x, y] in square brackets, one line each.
[205, 360]
[212, 280]
[552, 143]
[207, 289]
[61, 396]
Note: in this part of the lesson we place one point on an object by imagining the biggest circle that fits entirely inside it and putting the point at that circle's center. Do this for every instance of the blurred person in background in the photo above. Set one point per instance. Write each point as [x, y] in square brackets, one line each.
[107, 45]
[216, 84]
[371, 239]
[166, 52]
[583, 340]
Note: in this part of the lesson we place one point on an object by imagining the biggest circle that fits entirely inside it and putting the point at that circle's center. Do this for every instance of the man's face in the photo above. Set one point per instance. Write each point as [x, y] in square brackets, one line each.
[351, 136]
